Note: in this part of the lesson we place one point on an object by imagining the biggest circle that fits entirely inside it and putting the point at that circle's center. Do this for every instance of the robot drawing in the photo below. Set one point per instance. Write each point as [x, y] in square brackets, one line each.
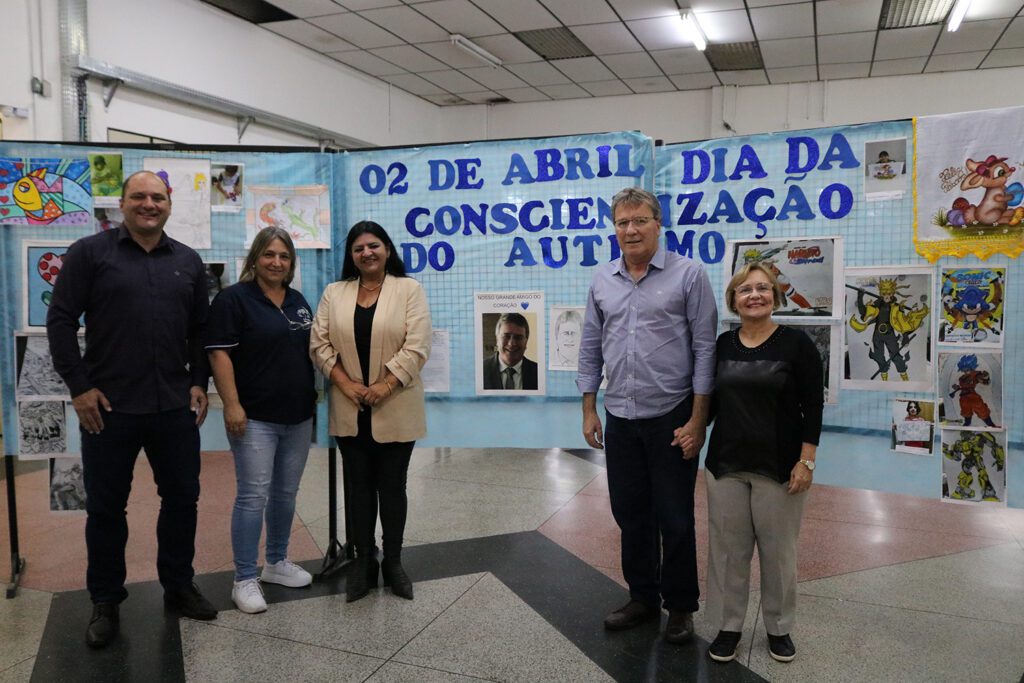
[969, 450]
[894, 322]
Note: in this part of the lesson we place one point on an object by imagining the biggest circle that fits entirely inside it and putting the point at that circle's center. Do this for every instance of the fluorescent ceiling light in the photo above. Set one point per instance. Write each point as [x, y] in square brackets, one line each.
[467, 45]
[691, 30]
[957, 14]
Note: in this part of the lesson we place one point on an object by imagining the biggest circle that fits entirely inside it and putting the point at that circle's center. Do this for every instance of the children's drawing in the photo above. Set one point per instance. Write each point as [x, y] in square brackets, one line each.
[42, 428]
[888, 329]
[913, 426]
[45, 191]
[41, 265]
[971, 389]
[807, 270]
[189, 184]
[303, 210]
[36, 378]
[67, 485]
[967, 455]
[972, 306]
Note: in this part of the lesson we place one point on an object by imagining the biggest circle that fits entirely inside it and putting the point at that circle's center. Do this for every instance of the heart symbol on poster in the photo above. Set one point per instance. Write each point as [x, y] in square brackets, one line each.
[4, 212]
[3, 186]
[4, 198]
[524, 305]
[49, 266]
[4, 171]
[18, 165]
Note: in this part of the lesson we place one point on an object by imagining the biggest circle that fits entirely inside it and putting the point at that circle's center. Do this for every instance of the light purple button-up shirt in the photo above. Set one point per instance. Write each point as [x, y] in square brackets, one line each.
[655, 338]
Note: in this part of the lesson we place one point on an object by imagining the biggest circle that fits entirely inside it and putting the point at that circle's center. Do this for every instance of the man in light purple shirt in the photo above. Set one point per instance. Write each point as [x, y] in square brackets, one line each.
[650, 325]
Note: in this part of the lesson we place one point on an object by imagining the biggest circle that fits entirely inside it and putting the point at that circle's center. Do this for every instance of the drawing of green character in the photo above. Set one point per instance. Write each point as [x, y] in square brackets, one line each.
[968, 451]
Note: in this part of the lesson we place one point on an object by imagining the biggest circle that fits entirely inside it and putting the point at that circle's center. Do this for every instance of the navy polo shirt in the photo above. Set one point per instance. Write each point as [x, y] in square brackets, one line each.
[269, 349]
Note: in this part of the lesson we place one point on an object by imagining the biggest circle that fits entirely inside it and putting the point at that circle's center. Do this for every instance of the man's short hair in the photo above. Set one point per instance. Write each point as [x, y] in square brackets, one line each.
[568, 316]
[128, 180]
[517, 319]
[632, 196]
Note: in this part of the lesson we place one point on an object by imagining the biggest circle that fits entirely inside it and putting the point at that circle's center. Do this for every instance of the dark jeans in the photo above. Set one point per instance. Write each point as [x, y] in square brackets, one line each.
[171, 441]
[651, 489]
[376, 471]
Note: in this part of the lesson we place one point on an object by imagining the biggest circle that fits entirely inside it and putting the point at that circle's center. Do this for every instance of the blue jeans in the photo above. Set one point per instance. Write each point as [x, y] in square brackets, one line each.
[269, 461]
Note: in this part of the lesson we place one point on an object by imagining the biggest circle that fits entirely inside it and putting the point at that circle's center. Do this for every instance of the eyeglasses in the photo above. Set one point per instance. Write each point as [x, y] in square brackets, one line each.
[638, 221]
[294, 325]
[760, 288]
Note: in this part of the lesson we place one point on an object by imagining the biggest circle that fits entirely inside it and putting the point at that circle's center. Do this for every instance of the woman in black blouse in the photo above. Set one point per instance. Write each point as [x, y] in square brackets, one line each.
[767, 406]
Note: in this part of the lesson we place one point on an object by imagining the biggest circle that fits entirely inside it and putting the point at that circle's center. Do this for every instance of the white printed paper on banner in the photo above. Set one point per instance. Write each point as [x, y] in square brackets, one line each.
[510, 343]
[436, 374]
[189, 182]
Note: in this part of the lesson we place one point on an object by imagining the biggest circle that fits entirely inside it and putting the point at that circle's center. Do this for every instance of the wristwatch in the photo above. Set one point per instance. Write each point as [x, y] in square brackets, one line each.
[809, 464]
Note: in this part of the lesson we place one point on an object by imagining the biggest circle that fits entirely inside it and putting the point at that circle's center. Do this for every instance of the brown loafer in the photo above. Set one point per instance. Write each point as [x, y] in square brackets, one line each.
[630, 615]
[679, 628]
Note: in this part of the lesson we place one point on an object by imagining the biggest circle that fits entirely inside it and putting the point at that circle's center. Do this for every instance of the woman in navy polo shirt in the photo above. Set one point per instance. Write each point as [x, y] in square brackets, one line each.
[258, 341]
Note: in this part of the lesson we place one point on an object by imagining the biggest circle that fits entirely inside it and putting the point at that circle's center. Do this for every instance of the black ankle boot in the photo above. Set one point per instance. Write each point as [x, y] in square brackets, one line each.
[356, 580]
[395, 576]
[372, 571]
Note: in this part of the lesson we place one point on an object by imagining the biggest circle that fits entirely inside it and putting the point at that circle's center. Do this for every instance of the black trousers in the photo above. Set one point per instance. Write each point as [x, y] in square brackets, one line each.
[376, 473]
[171, 442]
[651, 489]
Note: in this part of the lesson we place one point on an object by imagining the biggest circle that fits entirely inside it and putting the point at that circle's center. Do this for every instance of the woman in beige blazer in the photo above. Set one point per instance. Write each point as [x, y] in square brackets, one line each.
[371, 337]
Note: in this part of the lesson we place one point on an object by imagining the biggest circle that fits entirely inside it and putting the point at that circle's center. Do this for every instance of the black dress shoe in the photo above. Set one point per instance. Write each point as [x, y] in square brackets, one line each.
[189, 602]
[357, 578]
[630, 615]
[395, 576]
[781, 648]
[679, 628]
[104, 625]
[723, 648]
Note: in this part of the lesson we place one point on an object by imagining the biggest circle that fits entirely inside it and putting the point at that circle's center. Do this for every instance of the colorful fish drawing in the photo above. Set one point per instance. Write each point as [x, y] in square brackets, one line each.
[42, 203]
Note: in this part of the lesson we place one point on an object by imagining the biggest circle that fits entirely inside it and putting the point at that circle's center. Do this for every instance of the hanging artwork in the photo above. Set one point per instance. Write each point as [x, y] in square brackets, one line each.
[566, 331]
[303, 210]
[913, 427]
[45, 191]
[511, 343]
[107, 177]
[42, 428]
[828, 339]
[188, 180]
[42, 261]
[227, 194]
[67, 485]
[970, 196]
[107, 219]
[808, 270]
[972, 306]
[971, 389]
[888, 328]
[36, 379]
[974, 465]
[885, 169]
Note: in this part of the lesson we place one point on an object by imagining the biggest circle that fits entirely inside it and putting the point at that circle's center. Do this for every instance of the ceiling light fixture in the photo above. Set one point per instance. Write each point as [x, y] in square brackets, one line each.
[957, 14]
[467, 45]
[692, 31]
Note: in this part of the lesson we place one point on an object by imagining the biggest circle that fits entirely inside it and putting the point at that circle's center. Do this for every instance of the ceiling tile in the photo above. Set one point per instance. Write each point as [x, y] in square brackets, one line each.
[726, 27]
[414, 84]
[793, 74]
[567, 91]
[972, 36]
[480, 97]
[359, 5]
[830, 72]
[992, 9]
[632, 65]
[449, 54]
[846, 47]
[508, 49]
[357, 30]
[848, 16]
[643, 9]
[770, 3]
[521, 15]
[1001, 58]
[539, 73]
[445, 100]
[650, 84]
[607, 88]
[897, 67]
[660, 33]
[787, 52]
[460, 16]
[960, 61]
[367, 63]
[681, 60]
[584, 69]
[785, 21]
[306, 34]
[409, 58]
[451, 80]
[1014, 36]
[695, 81]
[749, 77]
[406, 23]
[524, 95]
[571, 12]
[308, 8]
[495, 79]
[899, 43]
[607, 39]
[702, 6]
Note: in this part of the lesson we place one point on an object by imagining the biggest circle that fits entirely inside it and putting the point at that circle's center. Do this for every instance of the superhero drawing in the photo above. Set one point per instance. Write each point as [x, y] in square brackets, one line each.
[970, 386]
[976, 461]
[888, 329]
[972, 306]
[805, 269]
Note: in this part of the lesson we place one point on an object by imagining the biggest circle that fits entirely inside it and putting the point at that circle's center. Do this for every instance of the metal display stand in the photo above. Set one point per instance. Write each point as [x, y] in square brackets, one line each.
[338, 556]
[17, 561]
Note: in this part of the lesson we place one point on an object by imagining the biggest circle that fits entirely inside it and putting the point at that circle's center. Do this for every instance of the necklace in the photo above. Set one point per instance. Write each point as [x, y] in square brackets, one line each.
[372, 289]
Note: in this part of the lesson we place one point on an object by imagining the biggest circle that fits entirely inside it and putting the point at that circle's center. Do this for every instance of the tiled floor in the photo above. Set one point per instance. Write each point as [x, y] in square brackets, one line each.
[516, 560]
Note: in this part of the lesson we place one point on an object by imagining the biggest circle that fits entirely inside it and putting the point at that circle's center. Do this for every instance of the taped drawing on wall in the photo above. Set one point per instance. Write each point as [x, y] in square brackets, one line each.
[189, 183]
[45, 191]
[303, 210]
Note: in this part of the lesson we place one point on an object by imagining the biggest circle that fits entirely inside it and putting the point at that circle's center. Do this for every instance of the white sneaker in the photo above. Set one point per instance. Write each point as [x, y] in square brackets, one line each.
[248, 596]
[286, 573]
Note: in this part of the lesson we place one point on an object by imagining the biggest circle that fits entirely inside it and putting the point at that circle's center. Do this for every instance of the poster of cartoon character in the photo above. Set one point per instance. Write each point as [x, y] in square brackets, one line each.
[42, 192]
[971, 389]
[972, 306]
[808, 270]
[888, 328]
[913, 426]
[974, 466]
[42, 261]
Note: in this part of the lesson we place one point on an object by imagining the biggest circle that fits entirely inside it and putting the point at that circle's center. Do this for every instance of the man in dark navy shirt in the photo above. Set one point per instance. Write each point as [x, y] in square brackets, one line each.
[141, 385]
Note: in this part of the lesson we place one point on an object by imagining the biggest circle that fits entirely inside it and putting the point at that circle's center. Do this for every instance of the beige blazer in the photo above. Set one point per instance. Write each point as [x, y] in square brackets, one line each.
[400, 341]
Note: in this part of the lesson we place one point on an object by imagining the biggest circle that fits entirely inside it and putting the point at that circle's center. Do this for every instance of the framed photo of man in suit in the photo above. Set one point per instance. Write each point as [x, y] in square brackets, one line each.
[511, 343]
